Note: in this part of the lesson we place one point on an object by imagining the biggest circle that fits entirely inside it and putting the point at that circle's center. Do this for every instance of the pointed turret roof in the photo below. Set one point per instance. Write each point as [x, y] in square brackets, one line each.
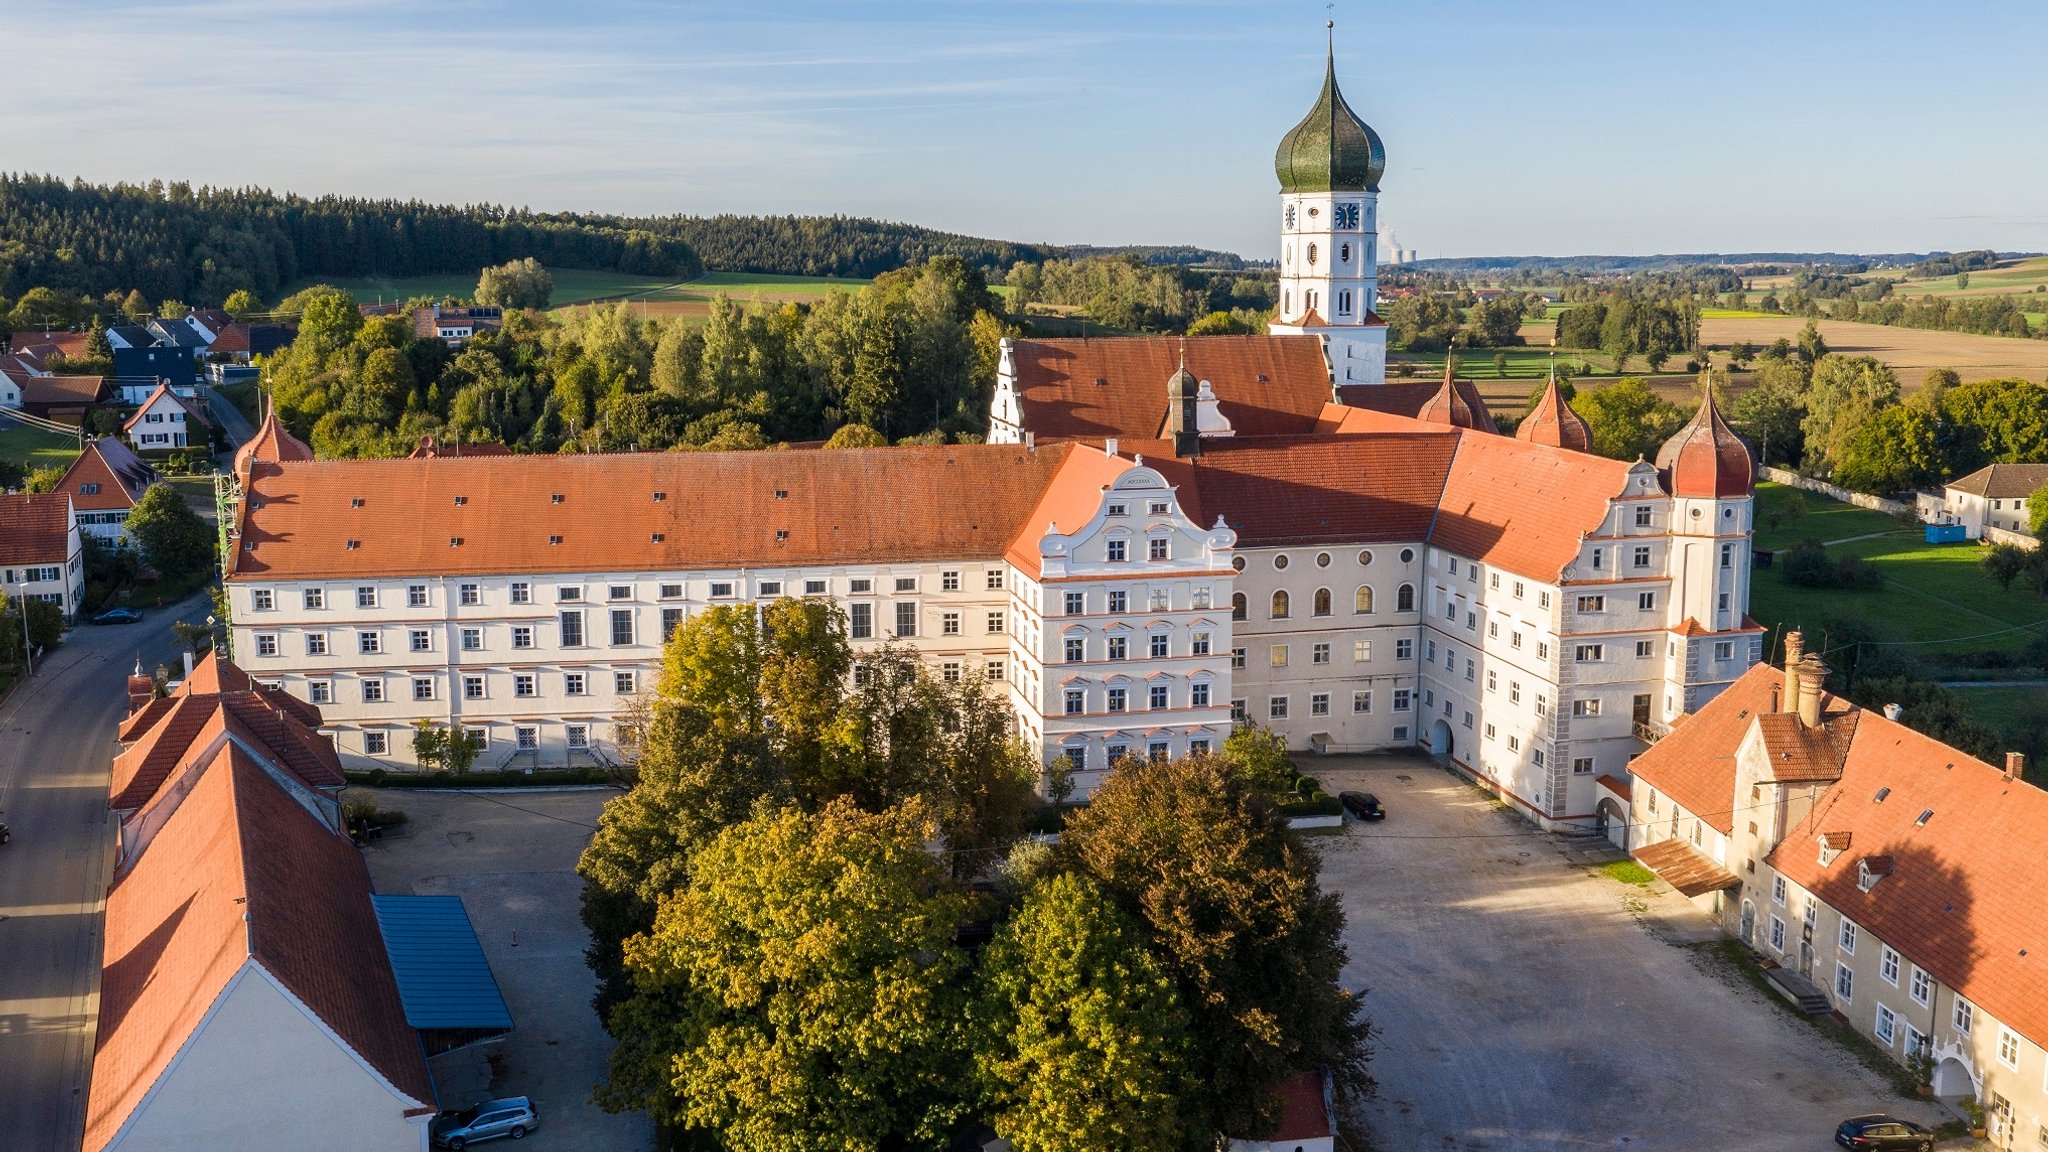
[271, 442]
[1706, 458]
[1553, 422]
[1331, 149]
[1450, 406]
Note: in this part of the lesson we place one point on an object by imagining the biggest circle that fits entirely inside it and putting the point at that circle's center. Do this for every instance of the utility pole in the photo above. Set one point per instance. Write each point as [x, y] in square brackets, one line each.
[28, 651]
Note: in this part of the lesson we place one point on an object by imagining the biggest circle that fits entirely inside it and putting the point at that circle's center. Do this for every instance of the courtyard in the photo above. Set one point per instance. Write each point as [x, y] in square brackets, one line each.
[511, 856]
[1524, 1000]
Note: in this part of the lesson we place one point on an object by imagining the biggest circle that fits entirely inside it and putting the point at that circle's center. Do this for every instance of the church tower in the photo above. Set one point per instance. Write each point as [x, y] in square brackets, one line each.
[1329, 168]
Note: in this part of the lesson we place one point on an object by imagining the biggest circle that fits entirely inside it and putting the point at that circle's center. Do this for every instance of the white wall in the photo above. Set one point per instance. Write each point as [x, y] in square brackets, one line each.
[261, 1075]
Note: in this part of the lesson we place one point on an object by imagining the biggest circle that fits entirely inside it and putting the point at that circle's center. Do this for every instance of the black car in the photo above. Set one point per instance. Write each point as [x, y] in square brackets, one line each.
[1363, 805]
[1877, 1131]
[117, 616]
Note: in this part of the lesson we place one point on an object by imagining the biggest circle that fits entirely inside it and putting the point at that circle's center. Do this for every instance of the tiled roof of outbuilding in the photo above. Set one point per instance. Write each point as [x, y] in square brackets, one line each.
[2002, 481]
[35, 528]
[1116, 387]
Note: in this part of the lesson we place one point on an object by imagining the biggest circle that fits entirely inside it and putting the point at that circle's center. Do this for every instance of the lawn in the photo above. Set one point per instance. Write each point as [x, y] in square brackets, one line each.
[35, 447]
[572, 286]
[2001, 708]
[1786, 515]
[1935, 598]
[692, 299]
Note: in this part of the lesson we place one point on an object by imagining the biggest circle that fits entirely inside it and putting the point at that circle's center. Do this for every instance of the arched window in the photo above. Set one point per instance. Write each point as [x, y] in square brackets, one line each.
[1237, 607]
[1361, 600]
[1322, 602]
[1280, 605]
[1311, 253]
[1404, 599]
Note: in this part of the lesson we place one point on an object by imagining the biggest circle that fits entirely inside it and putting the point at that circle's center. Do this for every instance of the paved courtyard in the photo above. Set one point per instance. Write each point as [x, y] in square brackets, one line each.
[1526, 1002]
[511, 856]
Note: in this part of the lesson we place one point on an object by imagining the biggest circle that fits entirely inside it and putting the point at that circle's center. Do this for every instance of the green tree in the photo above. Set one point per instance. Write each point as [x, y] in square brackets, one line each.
[1811, 346]
[242, 303]
[1773, 409]
[1895, 449]
[2004, 562]
[803, 992]
[856, 436]
[2037, 513]
[45, 629]
[96, 344]
[437, 746]
[1230, 901]
[172, 537]
[1500, 364]
[42, 479]
[1844, 392]
[1628, 420]
[1081, 1041]
[516, 284]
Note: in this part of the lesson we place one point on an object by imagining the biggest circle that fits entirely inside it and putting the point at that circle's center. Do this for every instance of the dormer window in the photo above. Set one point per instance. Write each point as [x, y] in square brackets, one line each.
[554, 497]
[1870, 870]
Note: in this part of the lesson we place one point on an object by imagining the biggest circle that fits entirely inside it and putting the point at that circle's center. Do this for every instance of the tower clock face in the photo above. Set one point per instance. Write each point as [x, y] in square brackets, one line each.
[1347, 215]
[1290, 215]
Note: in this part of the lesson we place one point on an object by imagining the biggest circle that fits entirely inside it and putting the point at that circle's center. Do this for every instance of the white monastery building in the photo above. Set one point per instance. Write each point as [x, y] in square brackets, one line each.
[1161, 538]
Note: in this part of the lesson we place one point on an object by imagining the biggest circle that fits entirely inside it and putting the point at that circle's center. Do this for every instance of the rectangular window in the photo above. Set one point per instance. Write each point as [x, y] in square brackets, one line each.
[1156, 645]
[1119, 699]
[1404, 649]
[671, 619]
[769, 588]
[1585, 707]
[949, 580]
[1076, 649]
[861, 621]
[366, 596]
[470, 595]
[575, 684]
[860, 585]
[1119, 601]
[1156, 548]
[622, 627]
[369, 642]
[1642, 515]
[995, 579]
[1727, 555]
[1157, 697]
[1582, 765]
[314, 598]
[1887, 1025]
[419, 640]
[373, 691]
[1922, 987]
[1845, 982]
[1777, 934]
[906, 583]
[1119, 647]
[522, 592]
[1198, 694]
[995, 623]
[526, 737]
[1319, 654]
[1361, 651]
[625, 683]
[572, 629]
[1239, 712]
[1237, 659]
[415, 595]
[1276, 707]
[1276, 656]
[525, 685]
[995, 670]
[320, 691]
[1847, 939]
[472, 639]
[522, 636]
[266, 643]
[1403, 698]
[1319, 704]
[949, 623]
[472, 687]
[1074, 701]
[1199, 644]
[1590, 653]
[1592, 603]
[260, 599]
[569, 593]
[376, 743]
[1117, 551]
[1361, 702]
[1642, 557]
[1543, 599]
[1646, 601]
[1076, 603]
[1724, 650]
[2009, 1049]
[811, 588]
[1644, 649]
[1963, 1016]
[721, 589]
[422, 688]
[1514, 691]
[906, 618]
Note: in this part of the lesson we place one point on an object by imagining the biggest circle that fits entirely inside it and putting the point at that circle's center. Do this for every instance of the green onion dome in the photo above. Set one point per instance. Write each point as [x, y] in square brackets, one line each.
[1331, 150]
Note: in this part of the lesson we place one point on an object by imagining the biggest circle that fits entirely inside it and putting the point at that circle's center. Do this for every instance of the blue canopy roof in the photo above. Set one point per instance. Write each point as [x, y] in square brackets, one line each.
[443, 978]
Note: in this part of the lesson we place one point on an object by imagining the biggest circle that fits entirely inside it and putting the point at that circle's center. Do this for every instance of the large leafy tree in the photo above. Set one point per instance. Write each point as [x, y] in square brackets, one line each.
[516, 284]
[172, 536]
[1894, 449]
[804, 992]
[1771, 412]
[1844, 392]
[1231, 905]
[1627, 419]
[1081, 1041]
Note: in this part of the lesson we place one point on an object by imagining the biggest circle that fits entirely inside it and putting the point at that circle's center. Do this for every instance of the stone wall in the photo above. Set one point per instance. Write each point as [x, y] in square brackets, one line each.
[1832, 492]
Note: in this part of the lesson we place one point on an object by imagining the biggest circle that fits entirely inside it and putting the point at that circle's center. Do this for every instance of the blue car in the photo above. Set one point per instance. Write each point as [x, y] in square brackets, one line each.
[117, 616]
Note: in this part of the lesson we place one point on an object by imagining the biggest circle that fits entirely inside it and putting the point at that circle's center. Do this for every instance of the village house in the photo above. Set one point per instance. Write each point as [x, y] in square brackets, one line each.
[104, 483]
[455, 323]
[166, 421]
[41, 556]
[1884, 876]
[1992, 500]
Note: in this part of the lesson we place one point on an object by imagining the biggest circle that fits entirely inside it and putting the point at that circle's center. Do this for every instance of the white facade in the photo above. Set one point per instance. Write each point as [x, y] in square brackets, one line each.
[161, 424]
[261, 1071]
[48, 579]
[1329, 280]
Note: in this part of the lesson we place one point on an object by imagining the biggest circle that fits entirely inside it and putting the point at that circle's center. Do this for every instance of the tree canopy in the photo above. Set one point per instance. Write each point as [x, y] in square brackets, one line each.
[172, 537]
[516, 284]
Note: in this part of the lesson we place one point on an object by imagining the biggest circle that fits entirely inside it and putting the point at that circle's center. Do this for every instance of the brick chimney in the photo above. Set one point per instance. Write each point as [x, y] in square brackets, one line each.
[1795, 647]
[1811, 672]
[2015, 766]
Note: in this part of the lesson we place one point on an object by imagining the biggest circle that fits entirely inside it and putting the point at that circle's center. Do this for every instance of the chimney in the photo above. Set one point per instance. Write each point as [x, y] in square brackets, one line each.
[1795, 647]
[2015, 766]
[1892, 712]
[1109, 446]
[188, 665]
[1031, 441]
[1810, 672]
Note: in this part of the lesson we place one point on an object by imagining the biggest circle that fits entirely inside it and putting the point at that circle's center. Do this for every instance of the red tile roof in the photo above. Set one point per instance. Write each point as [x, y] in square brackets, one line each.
[1304, 1110]
[271, 442]
[1116, 387]
[163, 391]
[1706, 458]
[1451, 405]
[35, 528]
[2002, 481]
[1069, 501]
[241, 872]
[1553, 422]
[1524, 507]
[62, 391]
[218, 700]
[1966, 890]
[120, 476]
[1802, 755]
[430, 447]
[718, 509]
[1288, 490]
[1695, 764]
[1405, 399]
[69, 343]
[231, 339]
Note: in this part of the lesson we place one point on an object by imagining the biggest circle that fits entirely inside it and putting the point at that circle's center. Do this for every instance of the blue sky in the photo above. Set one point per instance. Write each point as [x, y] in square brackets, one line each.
[1510, 127]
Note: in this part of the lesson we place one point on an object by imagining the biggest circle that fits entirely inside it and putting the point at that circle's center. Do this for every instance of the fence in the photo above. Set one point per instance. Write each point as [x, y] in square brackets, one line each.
[1874, 503]
[2008, 536]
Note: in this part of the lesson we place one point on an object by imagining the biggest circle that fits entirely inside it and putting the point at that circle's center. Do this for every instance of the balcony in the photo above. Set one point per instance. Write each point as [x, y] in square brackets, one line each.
[1649, 731]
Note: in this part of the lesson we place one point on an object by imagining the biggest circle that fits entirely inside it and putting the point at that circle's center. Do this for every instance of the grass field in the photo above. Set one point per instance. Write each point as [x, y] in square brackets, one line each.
[34, 447]
[2010, 277]
[693, 299]
[1910, 352]
[2002, 707]
[1935, 597]
[572, 286]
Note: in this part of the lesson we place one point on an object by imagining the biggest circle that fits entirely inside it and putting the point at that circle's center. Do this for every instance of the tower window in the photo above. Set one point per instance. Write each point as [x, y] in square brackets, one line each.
[1311, 253]
[1343, 252]
[1344, 302]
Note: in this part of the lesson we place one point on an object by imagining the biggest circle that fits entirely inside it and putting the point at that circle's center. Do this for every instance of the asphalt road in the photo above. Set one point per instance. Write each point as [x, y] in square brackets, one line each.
[229, 417]
[56, 747]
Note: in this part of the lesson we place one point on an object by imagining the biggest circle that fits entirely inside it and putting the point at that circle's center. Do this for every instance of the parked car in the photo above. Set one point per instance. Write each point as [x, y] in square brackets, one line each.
[1363, 805]
[117, 616]
[1878, 1131]
[513, 1116]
